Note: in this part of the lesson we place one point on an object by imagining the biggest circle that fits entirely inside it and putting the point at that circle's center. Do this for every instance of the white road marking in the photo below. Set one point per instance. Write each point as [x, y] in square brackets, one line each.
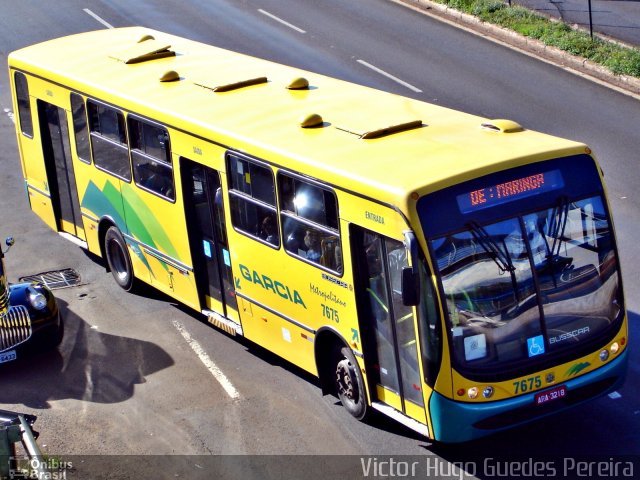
[278, 19]
[212, 367]
[388, 75]
[102, 21]
[614, 395]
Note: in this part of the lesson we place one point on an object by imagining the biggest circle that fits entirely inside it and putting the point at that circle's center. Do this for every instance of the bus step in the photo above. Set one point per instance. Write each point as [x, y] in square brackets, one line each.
[229, 326]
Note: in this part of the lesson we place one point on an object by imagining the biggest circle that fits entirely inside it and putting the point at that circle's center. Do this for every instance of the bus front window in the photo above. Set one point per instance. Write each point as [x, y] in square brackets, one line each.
[528, 285]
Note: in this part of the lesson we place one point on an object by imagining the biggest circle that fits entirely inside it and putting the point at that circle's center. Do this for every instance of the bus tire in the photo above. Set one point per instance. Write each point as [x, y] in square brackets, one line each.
[117, 254]
[349, 383]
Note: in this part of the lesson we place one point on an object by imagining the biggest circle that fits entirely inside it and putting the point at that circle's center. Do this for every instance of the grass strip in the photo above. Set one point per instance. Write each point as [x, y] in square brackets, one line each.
[619, 59]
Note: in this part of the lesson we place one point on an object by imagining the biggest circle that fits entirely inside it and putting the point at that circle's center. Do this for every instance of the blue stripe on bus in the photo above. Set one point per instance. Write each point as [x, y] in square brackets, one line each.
[453, 421]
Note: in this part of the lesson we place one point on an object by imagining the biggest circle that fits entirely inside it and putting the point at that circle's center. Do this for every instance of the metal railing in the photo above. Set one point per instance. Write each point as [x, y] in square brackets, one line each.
[17, 427]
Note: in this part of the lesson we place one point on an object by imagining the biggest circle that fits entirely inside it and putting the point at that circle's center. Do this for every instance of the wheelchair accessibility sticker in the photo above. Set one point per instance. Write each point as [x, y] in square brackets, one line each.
[535, 346]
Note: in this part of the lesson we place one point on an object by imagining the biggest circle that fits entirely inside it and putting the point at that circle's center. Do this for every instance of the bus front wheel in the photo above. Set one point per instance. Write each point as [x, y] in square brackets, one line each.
[118, 259]
[349, 383]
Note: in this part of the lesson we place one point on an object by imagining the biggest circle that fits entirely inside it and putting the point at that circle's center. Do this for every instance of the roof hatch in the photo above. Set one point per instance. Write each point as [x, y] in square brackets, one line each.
[144, 51]
[366, 132]
[228, 85]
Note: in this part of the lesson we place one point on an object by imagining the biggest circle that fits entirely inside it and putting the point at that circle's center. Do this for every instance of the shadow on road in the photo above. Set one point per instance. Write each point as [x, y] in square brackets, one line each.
[88, 365]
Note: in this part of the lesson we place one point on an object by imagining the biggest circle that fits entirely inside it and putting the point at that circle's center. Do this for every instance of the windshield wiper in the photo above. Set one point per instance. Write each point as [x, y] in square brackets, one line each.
[558, 225]
[486, 241]
[499, 254]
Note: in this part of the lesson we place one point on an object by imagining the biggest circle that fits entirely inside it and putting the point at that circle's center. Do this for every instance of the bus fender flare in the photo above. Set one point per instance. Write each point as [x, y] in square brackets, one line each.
[327, 340]
[104, 224]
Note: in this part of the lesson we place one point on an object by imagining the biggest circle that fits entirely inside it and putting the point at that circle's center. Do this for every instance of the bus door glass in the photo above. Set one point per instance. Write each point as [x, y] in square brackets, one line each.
[207, 236]
[387, 325]
[59, 167]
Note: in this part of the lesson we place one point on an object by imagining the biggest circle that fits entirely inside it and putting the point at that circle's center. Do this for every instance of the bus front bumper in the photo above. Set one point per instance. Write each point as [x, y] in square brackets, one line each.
[460, 422]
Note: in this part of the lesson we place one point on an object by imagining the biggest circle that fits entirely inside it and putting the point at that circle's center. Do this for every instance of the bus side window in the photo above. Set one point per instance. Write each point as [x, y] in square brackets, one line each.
[309, 216]
[109, 140]
[80, 130]
[252, 199]
[24, 106]
[151, 157]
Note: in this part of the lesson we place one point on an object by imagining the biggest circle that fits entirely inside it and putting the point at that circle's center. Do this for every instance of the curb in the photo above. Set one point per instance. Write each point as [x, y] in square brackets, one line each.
[554, 55]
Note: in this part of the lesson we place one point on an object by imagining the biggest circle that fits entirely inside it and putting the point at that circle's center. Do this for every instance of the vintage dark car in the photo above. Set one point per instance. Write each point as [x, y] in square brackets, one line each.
[29, 316]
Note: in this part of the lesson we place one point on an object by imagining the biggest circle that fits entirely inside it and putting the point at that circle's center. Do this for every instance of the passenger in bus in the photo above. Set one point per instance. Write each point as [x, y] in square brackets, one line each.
[313, 243]
[268, 229]
[331, 253]
[159, 184]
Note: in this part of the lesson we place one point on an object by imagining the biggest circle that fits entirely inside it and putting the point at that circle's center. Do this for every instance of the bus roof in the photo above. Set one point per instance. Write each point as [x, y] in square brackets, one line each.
[376, 143]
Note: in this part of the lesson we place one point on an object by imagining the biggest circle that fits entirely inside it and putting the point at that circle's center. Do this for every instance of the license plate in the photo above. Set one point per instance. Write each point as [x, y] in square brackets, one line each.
[8, 356]
[550, 395]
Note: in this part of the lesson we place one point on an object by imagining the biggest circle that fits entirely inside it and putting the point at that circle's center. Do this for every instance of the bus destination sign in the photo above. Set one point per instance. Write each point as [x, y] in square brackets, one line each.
[505, 192]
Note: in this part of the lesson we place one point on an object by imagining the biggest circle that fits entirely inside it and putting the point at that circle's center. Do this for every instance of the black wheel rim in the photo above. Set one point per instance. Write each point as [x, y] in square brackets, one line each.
[346, 381]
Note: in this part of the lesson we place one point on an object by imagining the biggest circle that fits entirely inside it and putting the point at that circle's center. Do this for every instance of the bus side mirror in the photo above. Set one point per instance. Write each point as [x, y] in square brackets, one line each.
[410, 287]
[410, 275]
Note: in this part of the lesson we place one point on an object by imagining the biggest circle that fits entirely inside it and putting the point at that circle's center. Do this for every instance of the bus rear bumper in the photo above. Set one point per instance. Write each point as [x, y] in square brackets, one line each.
[459, 422]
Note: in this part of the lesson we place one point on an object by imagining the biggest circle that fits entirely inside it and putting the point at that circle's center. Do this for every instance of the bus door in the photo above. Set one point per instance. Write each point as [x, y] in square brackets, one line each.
[59, 167]
[208, 238]
[387, 326]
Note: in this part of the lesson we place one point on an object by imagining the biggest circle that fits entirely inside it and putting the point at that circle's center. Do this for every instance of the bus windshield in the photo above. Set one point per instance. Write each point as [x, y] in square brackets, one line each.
[521, 287]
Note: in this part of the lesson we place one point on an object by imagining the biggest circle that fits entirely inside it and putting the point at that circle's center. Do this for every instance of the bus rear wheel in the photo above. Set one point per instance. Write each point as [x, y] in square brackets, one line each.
[349, 383]
[115, 249]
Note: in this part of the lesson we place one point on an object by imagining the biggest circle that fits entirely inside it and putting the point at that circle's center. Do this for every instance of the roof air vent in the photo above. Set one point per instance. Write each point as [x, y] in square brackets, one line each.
[311, 121]
[170, 76]
[299, 83]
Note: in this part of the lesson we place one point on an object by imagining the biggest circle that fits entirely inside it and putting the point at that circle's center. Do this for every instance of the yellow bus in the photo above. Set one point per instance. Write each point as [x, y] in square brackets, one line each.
[455, 273]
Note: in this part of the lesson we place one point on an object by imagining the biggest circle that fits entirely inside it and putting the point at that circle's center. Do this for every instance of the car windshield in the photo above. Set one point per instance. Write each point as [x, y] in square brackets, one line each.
[529, 284]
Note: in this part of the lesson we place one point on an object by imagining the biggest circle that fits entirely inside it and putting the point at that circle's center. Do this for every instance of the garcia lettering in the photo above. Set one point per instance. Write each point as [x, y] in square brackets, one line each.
[271, 285]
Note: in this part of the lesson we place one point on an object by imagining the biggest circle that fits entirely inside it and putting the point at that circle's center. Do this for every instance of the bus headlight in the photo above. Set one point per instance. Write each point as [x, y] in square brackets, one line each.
[604, 355]
[472, 392]
[615, 347]
[487, 392]
[37, 299]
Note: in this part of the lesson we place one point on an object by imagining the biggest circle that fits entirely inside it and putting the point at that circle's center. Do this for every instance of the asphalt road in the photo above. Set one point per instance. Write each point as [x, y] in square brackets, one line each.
[127, 380]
